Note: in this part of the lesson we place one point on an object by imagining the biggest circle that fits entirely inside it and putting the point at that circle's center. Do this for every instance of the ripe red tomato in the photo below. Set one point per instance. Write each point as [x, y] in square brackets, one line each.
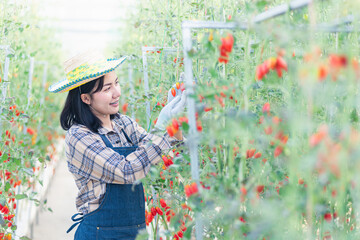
[173, 92]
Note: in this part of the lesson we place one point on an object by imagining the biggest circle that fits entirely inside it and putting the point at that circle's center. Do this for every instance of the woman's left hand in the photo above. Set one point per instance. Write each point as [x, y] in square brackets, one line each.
[173, 108]
[178, 92]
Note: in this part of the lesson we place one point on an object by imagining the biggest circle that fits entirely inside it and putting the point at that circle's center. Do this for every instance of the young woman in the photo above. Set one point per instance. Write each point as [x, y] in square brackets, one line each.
[107, 151]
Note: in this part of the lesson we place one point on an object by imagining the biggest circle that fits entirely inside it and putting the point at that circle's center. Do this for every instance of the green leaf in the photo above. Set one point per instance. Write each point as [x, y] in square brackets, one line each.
[261, 4]
[354, 117]
[20, 196]
[25, 238]
[7, 186]
[185, 126]
[4, 157]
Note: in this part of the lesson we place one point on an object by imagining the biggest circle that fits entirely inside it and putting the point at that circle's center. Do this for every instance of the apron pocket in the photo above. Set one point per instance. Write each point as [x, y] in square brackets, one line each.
[118, 233]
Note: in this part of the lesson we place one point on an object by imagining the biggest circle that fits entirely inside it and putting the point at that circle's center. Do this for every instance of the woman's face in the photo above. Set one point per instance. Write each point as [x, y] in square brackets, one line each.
[106, 101]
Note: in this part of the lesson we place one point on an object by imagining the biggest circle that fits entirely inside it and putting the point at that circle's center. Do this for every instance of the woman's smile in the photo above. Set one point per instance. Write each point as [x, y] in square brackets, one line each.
[115, 104]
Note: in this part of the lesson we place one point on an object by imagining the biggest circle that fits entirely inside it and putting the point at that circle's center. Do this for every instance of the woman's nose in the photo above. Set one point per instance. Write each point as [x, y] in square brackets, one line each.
[117, 92]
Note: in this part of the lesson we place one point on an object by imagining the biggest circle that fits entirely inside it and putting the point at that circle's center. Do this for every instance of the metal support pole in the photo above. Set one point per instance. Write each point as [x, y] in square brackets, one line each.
[146, 87]
[146, 76]
[131, 82]
[192, 138]
[6, 72]
[31, 72]
[42, 100]
[156, 217]
[5, 80]
[44, 81]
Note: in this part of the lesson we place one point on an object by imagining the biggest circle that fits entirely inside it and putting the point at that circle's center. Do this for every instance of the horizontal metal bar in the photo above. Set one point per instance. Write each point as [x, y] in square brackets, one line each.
[271, 13]
[343, 21]
[281, 9]
[332, 29]
[320, 27]
[165, 49]
[213, 24]
[299, 4]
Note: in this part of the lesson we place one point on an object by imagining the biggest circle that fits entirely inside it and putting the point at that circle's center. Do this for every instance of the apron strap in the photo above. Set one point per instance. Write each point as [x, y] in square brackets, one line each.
[127, 137]
[76, 220]
[106, 141]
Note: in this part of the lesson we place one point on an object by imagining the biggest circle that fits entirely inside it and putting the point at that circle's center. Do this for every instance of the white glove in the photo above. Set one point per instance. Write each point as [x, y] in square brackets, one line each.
[174, 107]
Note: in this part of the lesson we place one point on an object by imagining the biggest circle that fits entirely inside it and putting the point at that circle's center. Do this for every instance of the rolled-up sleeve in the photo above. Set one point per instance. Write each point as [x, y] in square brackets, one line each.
[89, 157]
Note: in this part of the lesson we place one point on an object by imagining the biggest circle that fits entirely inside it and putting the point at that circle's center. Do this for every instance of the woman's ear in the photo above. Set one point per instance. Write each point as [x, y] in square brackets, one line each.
[85, 97]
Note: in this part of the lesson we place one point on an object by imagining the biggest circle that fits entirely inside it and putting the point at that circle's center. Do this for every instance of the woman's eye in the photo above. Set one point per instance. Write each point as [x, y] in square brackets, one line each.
[107, 89]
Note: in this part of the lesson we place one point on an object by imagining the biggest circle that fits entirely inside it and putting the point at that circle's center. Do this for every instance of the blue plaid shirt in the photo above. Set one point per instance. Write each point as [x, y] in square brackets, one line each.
[93, 164]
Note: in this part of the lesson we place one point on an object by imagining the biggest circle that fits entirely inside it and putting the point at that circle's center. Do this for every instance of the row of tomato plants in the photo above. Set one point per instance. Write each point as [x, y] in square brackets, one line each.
[277, 120]
[28, 125]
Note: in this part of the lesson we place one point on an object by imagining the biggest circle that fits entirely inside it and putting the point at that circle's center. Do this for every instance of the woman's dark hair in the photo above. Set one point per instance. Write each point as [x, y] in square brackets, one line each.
[77, 112]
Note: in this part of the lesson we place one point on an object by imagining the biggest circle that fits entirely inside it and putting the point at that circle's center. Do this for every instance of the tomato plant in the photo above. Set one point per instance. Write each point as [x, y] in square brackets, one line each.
[28, 119]
[276, 118]
[276, 115]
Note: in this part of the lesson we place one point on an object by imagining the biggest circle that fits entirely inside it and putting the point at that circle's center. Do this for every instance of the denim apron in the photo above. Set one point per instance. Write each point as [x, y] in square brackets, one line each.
[121, 213]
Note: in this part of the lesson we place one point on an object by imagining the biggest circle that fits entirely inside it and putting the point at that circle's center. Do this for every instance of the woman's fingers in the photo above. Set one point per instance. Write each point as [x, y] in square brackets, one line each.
[174, 101]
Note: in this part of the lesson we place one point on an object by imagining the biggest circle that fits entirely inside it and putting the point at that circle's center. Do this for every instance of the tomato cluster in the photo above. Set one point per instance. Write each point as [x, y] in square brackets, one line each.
[278, 64]
[226, 48]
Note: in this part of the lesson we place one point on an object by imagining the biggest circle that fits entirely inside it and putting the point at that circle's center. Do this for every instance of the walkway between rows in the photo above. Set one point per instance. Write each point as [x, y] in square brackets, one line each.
[61, 199]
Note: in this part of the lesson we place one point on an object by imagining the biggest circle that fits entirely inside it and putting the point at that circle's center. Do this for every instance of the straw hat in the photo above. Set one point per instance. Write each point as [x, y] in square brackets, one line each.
[83, 68]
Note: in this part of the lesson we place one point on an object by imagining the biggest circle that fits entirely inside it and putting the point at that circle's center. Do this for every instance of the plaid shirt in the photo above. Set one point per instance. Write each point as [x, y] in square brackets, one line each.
[93, 164]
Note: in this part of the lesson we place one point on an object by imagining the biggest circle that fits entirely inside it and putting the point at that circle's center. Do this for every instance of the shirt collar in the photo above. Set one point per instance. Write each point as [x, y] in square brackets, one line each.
[117, 126]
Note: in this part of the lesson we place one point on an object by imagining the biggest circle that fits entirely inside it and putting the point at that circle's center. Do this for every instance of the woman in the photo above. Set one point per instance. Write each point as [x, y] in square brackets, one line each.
[107, 151]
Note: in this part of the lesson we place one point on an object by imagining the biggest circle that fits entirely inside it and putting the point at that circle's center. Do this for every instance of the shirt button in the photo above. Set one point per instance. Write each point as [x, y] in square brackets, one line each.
[97, 228]
[139, 225]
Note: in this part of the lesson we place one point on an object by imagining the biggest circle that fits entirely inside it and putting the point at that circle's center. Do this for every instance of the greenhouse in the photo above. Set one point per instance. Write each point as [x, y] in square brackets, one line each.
[179, 119]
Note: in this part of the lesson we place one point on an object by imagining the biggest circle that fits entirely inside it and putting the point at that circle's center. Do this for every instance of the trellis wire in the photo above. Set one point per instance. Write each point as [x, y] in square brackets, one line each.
[146, 76]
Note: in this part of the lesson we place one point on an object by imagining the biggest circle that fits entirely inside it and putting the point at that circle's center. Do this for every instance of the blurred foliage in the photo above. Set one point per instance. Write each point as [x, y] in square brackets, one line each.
[304, 185]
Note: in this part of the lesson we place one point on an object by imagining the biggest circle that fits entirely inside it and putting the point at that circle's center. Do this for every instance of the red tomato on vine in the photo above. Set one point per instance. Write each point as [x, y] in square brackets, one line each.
[173, 92]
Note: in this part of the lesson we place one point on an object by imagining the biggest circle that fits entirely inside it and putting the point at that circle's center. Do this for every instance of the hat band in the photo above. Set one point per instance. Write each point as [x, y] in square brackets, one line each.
[85, 70]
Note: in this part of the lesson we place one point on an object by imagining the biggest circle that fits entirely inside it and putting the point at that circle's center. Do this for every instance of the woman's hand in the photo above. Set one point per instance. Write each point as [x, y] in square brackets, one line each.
[178, 92]
[173, 108]
[178, 135]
